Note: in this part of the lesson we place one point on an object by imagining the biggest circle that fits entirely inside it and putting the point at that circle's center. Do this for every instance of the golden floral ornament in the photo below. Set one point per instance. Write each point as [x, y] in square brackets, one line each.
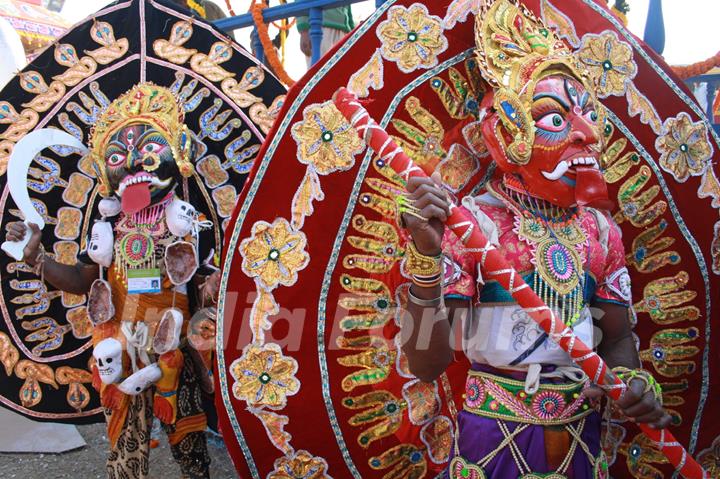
[302, 464]
[264, 377]
[274, 253]
[326, 140]
[685, 149]
[609, 61]
[412, 37]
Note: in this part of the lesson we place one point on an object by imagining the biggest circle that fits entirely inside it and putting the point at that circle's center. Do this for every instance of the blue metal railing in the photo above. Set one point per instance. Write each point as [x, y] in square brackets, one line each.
[310, 8]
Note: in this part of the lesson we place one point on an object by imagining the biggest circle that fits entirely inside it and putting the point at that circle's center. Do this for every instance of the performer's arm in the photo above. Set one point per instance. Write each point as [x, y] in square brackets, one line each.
[75, 279]
[618, 349]
[426, 328]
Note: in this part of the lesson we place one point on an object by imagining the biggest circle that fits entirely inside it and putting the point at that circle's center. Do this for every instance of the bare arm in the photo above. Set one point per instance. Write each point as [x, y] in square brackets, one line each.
[426, 328]
[618, 349]
[75, 279]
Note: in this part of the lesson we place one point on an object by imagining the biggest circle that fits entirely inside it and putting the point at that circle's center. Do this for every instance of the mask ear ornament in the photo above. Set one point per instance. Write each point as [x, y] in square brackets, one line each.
[516, 119]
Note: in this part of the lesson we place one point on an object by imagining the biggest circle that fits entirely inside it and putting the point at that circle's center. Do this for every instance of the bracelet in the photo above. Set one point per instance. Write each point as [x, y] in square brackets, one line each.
[626, 375]
[418, 264]
[39, 266]
[427, 281]
[424, 303]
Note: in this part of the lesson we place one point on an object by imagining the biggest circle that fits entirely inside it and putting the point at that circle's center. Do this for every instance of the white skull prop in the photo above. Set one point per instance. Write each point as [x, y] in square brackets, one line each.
[108, 359]
[109, 207]
[167, 336]
[141, 380]
[100, 247]
[180, 217]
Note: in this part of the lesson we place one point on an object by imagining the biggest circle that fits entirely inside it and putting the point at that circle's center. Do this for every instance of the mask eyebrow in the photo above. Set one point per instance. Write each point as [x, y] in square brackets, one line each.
[554, 97]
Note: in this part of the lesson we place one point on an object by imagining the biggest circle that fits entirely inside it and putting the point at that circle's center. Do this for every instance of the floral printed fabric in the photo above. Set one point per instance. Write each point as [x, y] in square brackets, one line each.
[603, 257]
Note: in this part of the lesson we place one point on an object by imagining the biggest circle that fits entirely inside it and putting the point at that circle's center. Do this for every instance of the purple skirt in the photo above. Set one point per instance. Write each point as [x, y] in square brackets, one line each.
[479, 436]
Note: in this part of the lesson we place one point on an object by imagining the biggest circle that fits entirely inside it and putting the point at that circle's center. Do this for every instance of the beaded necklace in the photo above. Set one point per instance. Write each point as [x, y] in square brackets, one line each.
[558, 245]
[140, 235]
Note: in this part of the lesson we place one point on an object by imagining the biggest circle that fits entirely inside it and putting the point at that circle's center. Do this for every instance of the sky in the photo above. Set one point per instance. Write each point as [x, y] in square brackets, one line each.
[691, 27]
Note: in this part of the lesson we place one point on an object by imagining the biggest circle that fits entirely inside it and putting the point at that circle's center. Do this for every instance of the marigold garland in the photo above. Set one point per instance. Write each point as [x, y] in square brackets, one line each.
[695, 69]
[256, 9]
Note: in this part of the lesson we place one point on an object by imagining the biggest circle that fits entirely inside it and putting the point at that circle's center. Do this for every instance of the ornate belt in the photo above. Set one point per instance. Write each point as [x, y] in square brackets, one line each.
[492, 396]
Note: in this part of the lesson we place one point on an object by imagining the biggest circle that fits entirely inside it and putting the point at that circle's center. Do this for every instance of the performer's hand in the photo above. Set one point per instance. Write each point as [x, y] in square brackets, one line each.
[432, 203]
[306, 43]
[642, 407]
[16, 232]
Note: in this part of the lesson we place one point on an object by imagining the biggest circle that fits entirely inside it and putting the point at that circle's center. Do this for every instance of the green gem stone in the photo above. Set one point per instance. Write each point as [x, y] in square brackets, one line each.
[412, 37]
[607, 65]
[684, 148]
[465, 472]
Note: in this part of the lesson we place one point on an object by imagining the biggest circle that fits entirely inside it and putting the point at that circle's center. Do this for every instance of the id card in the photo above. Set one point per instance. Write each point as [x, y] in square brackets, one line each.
[141, 281]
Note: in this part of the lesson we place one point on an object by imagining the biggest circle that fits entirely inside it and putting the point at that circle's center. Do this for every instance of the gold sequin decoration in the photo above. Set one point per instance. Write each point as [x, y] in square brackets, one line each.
[640, 466]
[638, 104]
[110, 49]
[670, 353]
[81, 325]
[647, 253]
[309, 191]
[225, 198]
[423, 401]
[461, 96]
[710, 188]
[263, 116]
[76, 193]
[212, 171]
[616, 167]
[406, 461]
[374, 361]
[9, 354]
[369, 76]
[33, 373]
[69, 222]
[18, 124]
[78, 68]
[382, 415]
[421, 144]
[640, 207]
[172, 49]
[78, 397]
[45, 95]
[66, 252]
[663, 299]
[209, 65]
[239, 91]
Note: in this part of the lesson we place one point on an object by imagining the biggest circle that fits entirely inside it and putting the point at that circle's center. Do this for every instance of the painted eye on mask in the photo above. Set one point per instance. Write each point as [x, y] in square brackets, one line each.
[116, 159]
[591, 116]
[552, 122]
[151, 147]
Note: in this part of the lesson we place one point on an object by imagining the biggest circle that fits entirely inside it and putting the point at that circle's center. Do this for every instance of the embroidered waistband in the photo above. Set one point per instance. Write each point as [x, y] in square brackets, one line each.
[492, 396]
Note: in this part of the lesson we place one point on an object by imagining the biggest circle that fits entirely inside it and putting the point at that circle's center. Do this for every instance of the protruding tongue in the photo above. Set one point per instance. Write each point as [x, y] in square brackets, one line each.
[135, 197]
[591, 189]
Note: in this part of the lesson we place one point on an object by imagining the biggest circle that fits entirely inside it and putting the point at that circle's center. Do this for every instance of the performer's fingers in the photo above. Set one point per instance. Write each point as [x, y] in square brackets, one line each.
[645, 406]
[432, 199]
[416, 181]
[663, 422]
[593, 392]
[16, 227]
[432, 211]
[633, 394]
[427, 189]
[654, 415]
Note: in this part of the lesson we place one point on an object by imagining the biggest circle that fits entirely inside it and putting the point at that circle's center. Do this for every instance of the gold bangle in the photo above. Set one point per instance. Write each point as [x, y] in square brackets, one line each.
[417, 264]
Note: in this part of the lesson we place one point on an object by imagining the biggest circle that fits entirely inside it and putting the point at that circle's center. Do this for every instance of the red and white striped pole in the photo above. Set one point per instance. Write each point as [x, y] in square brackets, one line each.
[495, 266]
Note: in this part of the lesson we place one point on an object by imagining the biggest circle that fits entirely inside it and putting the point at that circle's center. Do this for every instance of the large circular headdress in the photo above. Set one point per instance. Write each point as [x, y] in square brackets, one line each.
[137, 60]
[312, 378]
